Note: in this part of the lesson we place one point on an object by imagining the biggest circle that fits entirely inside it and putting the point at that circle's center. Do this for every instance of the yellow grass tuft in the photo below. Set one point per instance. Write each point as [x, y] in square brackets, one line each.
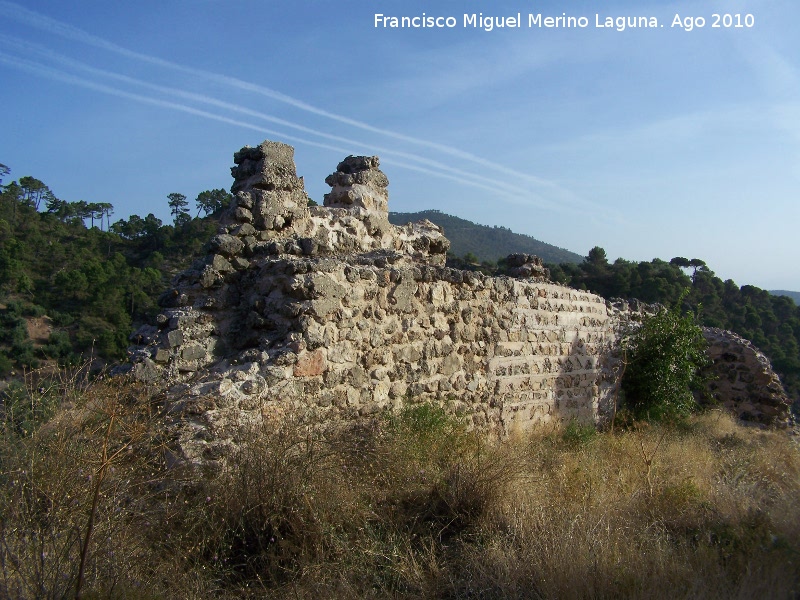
[413, 506]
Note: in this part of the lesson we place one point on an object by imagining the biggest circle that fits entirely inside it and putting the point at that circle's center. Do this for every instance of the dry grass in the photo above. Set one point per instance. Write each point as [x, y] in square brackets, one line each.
[410, 507]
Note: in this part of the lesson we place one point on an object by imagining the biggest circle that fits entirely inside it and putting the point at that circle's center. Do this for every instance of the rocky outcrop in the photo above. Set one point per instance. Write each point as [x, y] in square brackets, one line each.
[743, 381]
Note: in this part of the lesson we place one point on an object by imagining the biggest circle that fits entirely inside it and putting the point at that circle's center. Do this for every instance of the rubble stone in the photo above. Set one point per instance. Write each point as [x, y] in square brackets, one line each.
[336, 310]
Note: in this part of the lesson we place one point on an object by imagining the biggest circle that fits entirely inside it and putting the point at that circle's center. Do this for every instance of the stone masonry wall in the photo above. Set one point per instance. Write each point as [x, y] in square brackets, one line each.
[744, 382]
[335, 311]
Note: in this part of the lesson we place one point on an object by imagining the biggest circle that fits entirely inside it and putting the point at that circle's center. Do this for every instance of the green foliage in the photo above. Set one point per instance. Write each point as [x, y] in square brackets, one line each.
[577, 436]
[665, 355]
[6, 364]
[793, 295]
[771, 322]
[59, 347]
[423, 422]
[212, 201]
[23, 410]
[178, 208]
[424, 429]
[16, 346]
[96, 285]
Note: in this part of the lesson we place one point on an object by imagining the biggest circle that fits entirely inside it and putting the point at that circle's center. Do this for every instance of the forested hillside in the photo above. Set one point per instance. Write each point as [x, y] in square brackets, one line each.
[483, 243]
[74, 285]
[78, 284]
[793, 295]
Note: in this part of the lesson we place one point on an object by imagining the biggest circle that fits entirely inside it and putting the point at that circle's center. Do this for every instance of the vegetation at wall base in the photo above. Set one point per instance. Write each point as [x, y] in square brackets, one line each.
[664, 356]
[405, 506]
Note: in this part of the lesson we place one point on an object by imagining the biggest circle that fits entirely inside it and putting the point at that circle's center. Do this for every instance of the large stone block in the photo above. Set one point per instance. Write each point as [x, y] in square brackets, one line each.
[270, 166]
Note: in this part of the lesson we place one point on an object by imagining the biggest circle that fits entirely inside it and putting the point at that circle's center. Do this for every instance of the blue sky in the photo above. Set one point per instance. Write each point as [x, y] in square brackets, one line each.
[655, 142]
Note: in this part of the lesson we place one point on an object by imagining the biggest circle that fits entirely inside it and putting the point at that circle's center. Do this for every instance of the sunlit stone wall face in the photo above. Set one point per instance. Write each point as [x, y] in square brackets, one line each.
[333, 311]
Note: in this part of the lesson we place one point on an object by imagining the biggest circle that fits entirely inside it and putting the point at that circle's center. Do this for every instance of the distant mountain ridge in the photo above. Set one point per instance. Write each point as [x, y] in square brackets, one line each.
[793, 295]
[485, 242]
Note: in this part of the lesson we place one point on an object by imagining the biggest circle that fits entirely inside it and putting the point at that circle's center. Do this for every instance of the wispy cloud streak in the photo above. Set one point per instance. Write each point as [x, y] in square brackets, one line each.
[50, 73]
[511, 192]
[55, 27]
[438, 170]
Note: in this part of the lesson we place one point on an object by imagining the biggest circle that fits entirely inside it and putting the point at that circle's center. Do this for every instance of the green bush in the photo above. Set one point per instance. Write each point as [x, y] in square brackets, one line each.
[421, 431]
[23, 410]
[665, 357]
[24, 354]
[59, 347]
[6, 364]
[576, 435]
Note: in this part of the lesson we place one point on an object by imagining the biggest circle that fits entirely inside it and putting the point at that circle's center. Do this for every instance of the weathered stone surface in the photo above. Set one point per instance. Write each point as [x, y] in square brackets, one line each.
[333, 309]
[310, 364]
[270, 166]
[358, 183]
[526, 265]
[744, 382]
[193, 352]
[227, 245]
[175, 338]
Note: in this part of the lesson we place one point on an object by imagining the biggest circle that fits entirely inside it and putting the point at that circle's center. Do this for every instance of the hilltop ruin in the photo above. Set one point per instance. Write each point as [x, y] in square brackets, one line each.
[334, 310]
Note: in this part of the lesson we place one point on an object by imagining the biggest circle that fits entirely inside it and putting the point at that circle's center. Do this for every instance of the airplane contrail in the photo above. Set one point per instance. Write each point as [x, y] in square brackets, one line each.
[50, 73]
[513, 191]
[43, 22]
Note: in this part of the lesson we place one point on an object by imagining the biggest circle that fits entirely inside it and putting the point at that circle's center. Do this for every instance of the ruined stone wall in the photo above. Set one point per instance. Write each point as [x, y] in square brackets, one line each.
[502, 352]
[335, 311]
[743, 381]
[352, 340]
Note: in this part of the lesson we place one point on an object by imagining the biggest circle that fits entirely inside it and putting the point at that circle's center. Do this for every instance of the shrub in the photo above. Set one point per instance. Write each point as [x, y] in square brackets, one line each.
[23, 410]
[665, 356]
[6, 364]
[577, 435]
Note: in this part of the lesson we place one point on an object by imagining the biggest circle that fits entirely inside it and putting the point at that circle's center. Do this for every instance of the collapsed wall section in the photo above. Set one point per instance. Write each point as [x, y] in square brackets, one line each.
[743, 381]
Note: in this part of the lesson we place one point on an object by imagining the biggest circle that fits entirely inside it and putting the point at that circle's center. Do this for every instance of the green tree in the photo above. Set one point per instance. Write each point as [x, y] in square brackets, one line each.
[178, 205]
[596, 271]
[210, 201]
[131, 229]
[680, 261]
[105, 209]
[81, 209]
[33, 191]
[597, 257]
[94, 212]
[4, 170]
[697, 265]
